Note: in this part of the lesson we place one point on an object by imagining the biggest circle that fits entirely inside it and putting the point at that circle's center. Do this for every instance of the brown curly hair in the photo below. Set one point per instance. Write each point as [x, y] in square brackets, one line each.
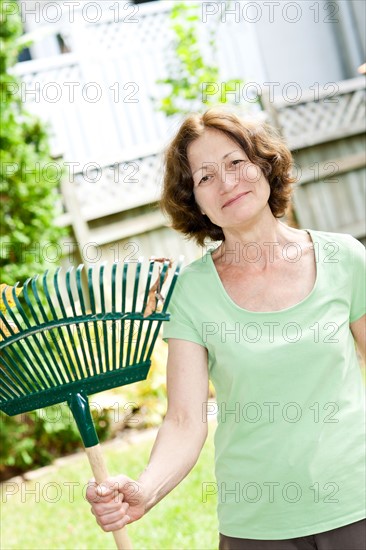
[264, 148]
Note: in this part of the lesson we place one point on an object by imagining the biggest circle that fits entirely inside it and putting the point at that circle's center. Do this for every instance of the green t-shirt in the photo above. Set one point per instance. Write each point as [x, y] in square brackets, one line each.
[290, 440]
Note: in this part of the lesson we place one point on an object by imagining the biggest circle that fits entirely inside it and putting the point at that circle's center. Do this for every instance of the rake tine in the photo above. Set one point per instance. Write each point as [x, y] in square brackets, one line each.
[15, 373]
[7, 393]
[149, 322]
[163, 272]
[8, 386]
[172, 284]
[4, 323]
[135, 292]
[94, 313]
[68, 329]
[64, 349]
[18, 357]
[54, 339]
[136, 285]
[27, 298]
[6, 396]
[148, 283]
[114, 269]
[84, 368]
[104, 323]
[40, 381]
[34, 336]
[14, 370]
[124, 287]
[10, 312]
[22, 373]
[157, 327]
[87, 332]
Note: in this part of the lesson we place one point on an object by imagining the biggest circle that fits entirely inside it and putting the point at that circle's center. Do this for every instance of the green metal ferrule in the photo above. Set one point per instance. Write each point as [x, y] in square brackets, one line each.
[79, 405]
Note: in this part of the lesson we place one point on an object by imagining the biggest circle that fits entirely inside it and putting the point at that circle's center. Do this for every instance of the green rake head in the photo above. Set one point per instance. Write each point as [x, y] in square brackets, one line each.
[77, 339]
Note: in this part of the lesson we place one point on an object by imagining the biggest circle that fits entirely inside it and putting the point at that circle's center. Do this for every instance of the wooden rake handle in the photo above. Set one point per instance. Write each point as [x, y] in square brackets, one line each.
[100, 472]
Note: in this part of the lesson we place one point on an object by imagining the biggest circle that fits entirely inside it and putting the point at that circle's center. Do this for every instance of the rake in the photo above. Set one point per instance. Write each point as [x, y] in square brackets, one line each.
[74, 341]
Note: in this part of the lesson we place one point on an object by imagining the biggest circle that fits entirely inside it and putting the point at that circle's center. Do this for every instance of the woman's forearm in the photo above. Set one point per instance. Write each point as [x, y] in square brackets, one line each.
[175, 452]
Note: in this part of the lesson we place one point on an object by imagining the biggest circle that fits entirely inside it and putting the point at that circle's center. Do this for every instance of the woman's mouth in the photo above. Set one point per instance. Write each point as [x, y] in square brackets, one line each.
[234, 199]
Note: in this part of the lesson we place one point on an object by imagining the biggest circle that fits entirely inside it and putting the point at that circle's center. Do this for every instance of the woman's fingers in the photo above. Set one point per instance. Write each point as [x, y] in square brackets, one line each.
[113, 520]
[101, 508]
[116, 525]
[108, 519]
[107, 503]
[104, 492]
[116, 502]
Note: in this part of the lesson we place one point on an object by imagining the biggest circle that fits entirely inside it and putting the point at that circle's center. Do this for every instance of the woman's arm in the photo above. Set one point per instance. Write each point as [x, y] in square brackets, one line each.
[184, 431]
[358, 329]
[176, 448]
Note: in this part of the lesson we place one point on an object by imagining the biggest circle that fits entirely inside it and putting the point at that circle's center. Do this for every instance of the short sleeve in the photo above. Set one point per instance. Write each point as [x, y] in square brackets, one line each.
[358, 291]
[181, 309]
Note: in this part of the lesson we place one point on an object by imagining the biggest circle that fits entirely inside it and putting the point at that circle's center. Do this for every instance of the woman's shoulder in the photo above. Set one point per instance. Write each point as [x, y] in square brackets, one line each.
[336, 247]
[330, 235]
[345, 239]
[200, 264]
[195, 271]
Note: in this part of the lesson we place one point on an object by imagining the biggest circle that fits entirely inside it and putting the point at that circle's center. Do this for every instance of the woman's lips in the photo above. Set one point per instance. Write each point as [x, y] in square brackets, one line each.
[231, 201]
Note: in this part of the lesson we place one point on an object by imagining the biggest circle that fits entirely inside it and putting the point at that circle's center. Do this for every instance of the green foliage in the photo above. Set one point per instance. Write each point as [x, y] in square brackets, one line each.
[35, 439]
[194, 83]
[29, 178]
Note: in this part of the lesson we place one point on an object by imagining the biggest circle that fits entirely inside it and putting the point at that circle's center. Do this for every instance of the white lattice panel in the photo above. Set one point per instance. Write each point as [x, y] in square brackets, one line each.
[135, 30]
[311, 121]
[46, 93]
[119, 187]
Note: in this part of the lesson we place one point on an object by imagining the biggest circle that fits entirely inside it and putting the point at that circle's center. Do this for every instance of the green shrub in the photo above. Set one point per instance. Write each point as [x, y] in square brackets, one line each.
[29, 177]
[35, 439]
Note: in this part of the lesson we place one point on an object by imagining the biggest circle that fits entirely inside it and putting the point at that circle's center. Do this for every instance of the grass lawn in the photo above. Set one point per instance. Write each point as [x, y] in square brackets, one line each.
[57, 516]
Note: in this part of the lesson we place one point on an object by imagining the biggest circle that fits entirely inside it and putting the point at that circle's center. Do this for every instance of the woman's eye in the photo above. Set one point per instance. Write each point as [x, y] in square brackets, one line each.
[204, 179]
[236, 161]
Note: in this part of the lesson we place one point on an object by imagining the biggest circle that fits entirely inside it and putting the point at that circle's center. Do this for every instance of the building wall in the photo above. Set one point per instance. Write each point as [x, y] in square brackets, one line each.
[359, 16]
[300, 44]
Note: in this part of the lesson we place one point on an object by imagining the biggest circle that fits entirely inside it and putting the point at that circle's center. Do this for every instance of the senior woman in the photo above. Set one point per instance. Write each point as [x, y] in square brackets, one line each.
[272, 315]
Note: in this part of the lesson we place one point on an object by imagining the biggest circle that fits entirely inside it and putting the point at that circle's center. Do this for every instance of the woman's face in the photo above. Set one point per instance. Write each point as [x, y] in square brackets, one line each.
[228, 188]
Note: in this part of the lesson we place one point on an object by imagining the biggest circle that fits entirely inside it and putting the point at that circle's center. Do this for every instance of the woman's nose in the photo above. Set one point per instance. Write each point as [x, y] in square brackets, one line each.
[228, 178]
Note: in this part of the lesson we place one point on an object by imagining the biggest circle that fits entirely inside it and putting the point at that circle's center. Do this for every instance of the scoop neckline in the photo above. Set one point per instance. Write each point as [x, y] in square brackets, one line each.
[277, 311]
